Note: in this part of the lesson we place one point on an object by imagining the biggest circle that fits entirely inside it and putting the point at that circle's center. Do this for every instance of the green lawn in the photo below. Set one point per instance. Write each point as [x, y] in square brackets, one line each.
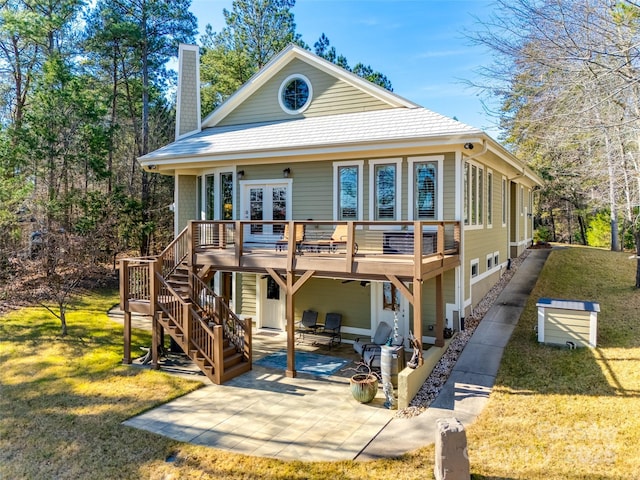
[554, 413]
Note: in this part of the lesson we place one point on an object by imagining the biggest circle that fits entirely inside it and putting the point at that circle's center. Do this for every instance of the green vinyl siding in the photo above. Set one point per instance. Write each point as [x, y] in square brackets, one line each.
[246, 286]
[186, 204]
[326, 295]
[312, 184]
[331, 96]
[429, 300]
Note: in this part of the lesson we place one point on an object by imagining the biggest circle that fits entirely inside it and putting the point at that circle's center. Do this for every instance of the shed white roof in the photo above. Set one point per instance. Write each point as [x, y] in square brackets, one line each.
[362, 128]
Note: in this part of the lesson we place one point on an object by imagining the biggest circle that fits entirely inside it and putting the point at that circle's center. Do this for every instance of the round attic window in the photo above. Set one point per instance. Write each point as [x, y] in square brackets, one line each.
[295, 94]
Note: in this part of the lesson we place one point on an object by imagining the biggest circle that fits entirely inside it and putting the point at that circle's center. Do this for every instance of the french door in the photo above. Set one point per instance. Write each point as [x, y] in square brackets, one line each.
[264, 201]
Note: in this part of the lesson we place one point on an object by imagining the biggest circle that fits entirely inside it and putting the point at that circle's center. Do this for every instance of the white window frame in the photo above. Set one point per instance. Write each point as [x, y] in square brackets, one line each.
[217, 184]
[474, 263]
[438, 160]
[489, 188]
[489, 263]
[283, 85]
[336, 190]
[504, 201]
[372, 186]
[496, 259]
[521, 200]
[479, 197]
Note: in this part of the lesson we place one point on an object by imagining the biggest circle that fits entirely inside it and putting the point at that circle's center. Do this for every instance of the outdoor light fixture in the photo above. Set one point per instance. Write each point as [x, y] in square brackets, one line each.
[152, 167]
[468, 146]
[240, 174]
[286, 172]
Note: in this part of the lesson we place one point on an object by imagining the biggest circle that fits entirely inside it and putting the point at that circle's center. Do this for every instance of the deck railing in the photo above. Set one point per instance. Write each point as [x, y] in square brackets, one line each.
[217, 311]
[371, 237]
[175, 253]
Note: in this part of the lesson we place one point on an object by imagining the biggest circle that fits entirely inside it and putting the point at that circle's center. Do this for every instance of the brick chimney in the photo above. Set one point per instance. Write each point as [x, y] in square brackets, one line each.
[188, 117]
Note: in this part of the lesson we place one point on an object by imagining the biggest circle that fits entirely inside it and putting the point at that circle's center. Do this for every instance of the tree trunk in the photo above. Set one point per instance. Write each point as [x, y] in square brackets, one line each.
[583, 232]
[636, 235]
[63, 319]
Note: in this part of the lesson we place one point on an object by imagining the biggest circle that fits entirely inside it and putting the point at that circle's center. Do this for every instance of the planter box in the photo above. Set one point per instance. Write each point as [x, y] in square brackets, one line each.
[567, 322]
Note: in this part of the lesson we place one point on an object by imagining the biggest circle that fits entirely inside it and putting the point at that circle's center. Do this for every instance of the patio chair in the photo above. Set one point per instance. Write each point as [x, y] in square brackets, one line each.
[338, 239]
[283, 243]
[331, 328]
[380, 337]
[373, 354]
[308, 323]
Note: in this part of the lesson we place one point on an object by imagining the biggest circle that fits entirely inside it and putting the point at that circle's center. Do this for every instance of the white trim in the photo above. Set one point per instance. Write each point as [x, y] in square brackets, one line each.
[593, 328]
[541, 317]
[476, 262]
[176, 195]
[193, 48]
[244, 184]
[505, 202]
[489, 202]
[360, 165]
[439, 161]
[385, 161]
[489, 258]
[217, 185]
[285, 82]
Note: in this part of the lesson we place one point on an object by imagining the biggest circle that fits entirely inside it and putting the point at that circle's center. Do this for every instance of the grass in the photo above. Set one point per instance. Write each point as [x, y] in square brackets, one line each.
[554, 414]
[568, 414]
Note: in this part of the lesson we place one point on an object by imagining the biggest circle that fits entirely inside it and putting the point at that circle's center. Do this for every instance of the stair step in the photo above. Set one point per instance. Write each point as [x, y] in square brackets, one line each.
[234, 371]
[232, 360]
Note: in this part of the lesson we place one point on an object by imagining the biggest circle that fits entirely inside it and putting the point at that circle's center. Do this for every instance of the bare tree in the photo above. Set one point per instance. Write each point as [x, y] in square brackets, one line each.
[569, 72]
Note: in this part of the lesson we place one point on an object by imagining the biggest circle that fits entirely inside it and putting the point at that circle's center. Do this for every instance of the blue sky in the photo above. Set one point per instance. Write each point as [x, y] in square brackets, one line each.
[418, 44]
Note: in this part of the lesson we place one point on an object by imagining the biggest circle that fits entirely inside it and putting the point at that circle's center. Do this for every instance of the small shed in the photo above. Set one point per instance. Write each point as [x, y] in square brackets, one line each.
[567, 322]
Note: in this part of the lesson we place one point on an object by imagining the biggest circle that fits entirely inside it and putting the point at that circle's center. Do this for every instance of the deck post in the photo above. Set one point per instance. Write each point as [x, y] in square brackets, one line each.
[127, 338]
[291, 339]
[155, 269]
[439, 312]
[124, 306]
[417, 285]
[155, 341]
[218, 354]
[248, 335]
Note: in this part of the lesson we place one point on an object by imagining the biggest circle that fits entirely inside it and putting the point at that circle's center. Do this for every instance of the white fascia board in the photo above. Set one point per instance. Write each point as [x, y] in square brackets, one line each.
[283, 58]
[513, 161]
[365, 148]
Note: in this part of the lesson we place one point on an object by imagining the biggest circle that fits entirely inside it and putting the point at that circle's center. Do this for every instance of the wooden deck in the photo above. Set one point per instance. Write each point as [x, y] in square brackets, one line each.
[373, 250]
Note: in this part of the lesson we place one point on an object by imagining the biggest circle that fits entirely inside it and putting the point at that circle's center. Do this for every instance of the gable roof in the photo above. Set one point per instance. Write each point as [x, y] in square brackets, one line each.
[285, 57]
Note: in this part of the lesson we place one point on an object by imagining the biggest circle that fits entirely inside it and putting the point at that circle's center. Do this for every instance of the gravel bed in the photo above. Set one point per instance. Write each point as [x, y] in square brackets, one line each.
[442, 370]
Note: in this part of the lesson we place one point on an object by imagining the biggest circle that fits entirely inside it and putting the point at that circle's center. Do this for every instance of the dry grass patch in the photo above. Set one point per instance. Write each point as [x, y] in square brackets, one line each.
[566, 414]
[63, 400]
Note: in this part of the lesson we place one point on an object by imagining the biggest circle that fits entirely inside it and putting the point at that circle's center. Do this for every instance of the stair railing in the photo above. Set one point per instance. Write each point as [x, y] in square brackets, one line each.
[175, 253]
[236, 330]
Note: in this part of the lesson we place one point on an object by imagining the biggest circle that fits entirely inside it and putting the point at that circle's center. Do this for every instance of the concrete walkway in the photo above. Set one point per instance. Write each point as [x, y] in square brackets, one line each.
[309, 418]
[466, 392]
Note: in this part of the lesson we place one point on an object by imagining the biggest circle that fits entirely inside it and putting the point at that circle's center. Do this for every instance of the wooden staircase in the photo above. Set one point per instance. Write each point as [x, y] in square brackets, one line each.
[184, 306]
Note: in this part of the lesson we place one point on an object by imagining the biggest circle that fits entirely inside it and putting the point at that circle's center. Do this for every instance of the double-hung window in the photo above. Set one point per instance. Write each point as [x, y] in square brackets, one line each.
[347, 190]
[473, 194]
[425, 193]
[384, 190]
